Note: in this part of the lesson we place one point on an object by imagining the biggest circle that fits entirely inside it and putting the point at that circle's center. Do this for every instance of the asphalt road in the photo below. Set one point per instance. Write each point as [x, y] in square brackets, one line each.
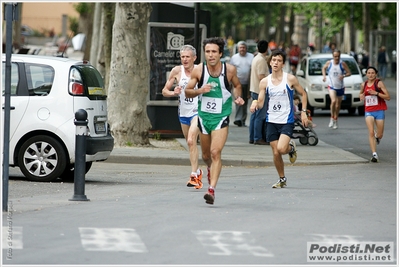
[352, 134]
[145, 215]
[139, 215]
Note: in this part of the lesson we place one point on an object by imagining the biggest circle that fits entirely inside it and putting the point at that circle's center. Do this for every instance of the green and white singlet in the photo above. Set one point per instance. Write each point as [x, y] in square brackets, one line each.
[215, 106]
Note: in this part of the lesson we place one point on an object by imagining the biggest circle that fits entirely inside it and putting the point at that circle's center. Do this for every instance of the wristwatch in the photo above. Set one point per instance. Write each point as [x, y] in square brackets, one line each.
[303, 110]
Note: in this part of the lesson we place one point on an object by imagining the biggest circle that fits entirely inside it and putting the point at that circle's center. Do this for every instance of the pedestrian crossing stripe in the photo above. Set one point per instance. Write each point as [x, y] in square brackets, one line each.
[218, 243]
[12, 237]
[333, 239]
[111, 239]
[227, 243]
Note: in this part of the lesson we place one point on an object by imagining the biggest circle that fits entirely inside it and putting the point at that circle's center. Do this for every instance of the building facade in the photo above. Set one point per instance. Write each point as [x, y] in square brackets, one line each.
[45, 17]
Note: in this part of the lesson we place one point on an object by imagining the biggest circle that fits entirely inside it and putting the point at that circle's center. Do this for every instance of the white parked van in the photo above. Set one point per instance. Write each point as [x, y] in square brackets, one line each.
[310, 77]
[46, 92]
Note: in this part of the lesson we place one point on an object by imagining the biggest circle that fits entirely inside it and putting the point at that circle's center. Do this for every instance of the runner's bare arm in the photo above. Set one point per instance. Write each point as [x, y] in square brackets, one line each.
[347, 70]
[237, 91]
[190, 90]
[385, 94]
[293, 81]
[324, 70]
[361, 93]
[173, 75]
[262, 94]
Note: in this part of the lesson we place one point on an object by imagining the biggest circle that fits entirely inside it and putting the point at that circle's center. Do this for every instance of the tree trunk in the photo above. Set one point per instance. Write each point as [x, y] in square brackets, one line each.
[104, 58]
[129, 75]
[264, 33]
[17, 37]
[96, 38]
[88, 30]
[280, 34]
[291, 27]
[366, 27]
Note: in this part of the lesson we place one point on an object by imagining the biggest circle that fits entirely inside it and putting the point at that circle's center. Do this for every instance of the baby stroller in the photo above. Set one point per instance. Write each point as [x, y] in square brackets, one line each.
[306, 135]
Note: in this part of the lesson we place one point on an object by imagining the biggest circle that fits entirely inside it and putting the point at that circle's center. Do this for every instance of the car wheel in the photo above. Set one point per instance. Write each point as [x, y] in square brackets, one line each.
[351, 111]
[69, 172]
[360, 110]
[42, 158]
[311, 109]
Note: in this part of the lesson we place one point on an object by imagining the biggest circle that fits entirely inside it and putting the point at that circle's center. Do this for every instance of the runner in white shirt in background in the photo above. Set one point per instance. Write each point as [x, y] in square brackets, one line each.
[188, 109]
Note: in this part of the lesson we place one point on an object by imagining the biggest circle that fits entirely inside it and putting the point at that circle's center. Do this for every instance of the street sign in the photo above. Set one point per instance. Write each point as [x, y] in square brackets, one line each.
[163, 51]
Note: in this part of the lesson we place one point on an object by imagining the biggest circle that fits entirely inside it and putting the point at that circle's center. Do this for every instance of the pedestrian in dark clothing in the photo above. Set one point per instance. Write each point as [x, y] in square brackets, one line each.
[365, 60]
[383, 61]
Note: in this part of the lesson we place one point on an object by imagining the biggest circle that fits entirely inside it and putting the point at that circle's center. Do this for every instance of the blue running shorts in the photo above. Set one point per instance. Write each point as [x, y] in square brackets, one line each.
[274, 130]
[378, 115]
[340, 92]
[186, 120]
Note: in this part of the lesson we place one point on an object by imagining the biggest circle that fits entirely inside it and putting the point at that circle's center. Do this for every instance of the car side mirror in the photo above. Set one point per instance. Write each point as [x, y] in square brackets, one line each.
[364, 72]
[300, 73]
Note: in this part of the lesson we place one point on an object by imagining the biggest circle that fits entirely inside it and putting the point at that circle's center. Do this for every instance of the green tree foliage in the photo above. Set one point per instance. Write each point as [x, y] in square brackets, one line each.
[335, 14]
[73, 24]
[241, 15]
[83, 8]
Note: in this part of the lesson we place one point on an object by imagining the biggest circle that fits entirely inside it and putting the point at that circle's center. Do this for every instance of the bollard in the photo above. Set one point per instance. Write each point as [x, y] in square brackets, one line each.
[80, 156]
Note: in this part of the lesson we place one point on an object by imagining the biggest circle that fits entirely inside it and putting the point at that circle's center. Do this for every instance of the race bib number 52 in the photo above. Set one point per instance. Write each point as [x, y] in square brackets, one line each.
[211, 105]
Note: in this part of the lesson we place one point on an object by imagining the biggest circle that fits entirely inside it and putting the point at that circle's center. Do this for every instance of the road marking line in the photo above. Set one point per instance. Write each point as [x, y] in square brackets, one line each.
[12, 237]
[333, 239]
[111, 239]
[227, 243]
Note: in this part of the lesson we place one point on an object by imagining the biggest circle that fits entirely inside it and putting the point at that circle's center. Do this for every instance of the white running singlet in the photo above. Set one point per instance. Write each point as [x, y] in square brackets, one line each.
[334, 82]
[188, 107]
[280, 105]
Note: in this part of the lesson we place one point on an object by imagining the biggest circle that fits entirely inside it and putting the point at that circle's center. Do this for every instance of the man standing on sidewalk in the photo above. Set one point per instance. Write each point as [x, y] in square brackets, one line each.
[188, 109]
[276, 91]
[214, 106]
[259, 70]
[242, 61]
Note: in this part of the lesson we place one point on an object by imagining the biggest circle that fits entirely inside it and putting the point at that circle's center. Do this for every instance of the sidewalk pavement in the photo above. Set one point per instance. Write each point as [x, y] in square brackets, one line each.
[236, 152]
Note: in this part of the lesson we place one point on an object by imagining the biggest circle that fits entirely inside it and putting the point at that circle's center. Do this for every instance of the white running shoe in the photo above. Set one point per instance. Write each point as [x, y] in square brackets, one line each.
[331, 123]
[374, 159]
[335, 124]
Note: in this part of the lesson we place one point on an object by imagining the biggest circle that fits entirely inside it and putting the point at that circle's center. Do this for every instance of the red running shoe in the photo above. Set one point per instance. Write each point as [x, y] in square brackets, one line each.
[210, 196]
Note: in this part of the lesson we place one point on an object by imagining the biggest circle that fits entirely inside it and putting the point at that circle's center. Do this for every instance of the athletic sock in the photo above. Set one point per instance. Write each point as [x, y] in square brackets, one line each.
[292, 149]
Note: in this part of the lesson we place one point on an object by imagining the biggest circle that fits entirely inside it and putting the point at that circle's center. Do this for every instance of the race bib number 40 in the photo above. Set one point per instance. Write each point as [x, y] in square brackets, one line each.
[211, 105]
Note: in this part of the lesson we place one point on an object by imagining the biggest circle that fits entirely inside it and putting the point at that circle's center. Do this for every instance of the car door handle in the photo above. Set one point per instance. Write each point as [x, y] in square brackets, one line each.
[11, 108]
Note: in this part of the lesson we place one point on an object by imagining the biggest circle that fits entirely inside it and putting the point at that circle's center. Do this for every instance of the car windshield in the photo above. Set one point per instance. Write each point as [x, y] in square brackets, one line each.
[252, 48]
[316, 64]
